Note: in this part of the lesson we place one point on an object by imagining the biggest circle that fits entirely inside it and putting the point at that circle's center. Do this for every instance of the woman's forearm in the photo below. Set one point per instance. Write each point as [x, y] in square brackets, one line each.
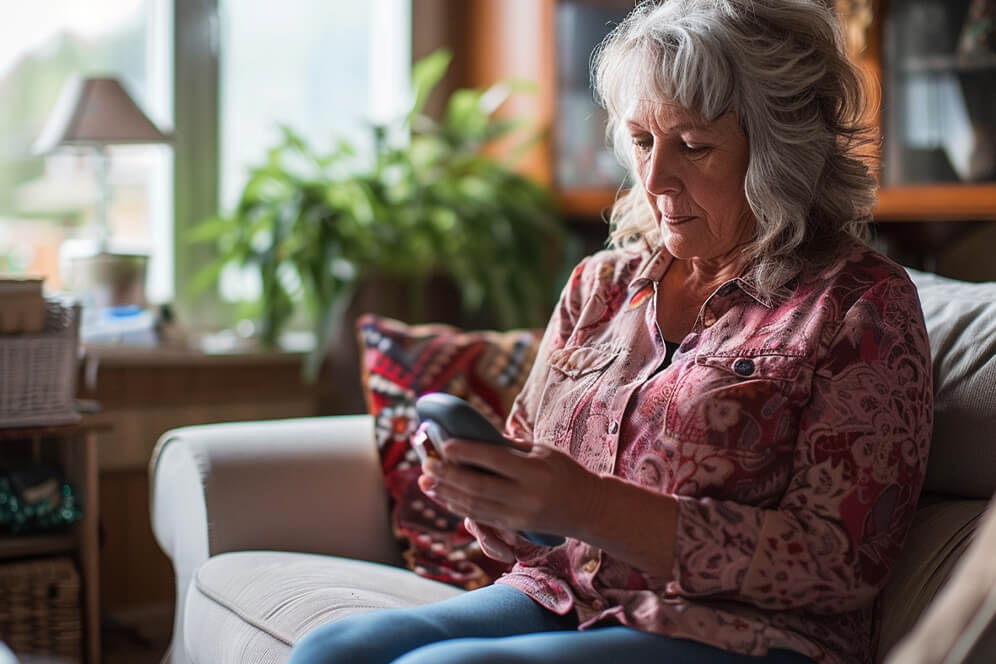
[633, 524]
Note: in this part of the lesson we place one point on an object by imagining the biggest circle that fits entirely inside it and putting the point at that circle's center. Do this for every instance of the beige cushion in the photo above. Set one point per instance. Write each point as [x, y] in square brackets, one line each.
[961, 325]
[249, 607]
[959, 627]
[940, 534]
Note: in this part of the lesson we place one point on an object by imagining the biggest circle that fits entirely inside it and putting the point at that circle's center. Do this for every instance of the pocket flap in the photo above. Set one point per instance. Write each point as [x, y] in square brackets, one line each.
[575, 361]
[772, 367]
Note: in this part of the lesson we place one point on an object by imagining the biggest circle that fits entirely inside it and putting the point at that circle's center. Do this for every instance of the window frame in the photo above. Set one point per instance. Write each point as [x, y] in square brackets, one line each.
[196, 157]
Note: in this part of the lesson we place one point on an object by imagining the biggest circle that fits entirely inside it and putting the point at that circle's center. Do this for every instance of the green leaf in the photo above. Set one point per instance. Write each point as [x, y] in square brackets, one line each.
[426, 74]
[293, 139]
[209, 275]
[463, 113]
[210, 230]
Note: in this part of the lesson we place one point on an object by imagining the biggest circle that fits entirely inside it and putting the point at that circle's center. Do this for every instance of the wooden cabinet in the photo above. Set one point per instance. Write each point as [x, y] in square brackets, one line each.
[74, 448]
[936, 72]
[519, 39]
[913, 57]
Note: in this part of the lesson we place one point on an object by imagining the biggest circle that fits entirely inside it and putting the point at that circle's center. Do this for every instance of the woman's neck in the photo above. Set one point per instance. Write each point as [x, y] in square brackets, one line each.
[700, 277]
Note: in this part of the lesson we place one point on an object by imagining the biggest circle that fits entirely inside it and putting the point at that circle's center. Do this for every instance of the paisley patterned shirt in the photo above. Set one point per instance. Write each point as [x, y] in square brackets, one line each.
[793, 431]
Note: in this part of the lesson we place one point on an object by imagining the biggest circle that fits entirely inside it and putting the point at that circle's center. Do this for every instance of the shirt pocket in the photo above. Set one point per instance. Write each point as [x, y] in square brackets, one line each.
[750, 403]
[570, 390]
[574, 362]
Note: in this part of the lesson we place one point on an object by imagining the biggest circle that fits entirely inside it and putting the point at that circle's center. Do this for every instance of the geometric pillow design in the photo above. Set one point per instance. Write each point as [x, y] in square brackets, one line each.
[399, 363]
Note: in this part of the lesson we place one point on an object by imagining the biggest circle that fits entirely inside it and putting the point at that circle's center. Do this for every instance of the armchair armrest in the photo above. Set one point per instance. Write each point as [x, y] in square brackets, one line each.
[311, 485]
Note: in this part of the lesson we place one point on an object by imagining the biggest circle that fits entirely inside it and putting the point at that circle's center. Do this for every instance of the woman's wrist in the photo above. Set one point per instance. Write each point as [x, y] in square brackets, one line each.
[633, 524]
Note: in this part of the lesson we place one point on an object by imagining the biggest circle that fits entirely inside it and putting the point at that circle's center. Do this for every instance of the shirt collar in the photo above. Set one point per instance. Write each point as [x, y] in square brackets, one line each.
[659, 259]
[653, 267]
[770, 301]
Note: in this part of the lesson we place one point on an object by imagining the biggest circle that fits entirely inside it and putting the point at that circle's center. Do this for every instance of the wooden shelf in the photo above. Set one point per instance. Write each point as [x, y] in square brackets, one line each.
[20, 546]
[494, 50]
[74, 447]
[961, 202]
[83, 424]
[949, 63]
[593, 203]
[953, 202]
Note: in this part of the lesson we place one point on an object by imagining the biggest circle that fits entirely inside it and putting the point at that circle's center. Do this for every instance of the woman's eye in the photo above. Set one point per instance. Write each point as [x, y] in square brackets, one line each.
[644, 143]
[694, 148]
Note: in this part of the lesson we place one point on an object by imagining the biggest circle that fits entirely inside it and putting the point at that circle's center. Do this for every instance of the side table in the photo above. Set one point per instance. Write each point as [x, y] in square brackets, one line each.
[74, 448]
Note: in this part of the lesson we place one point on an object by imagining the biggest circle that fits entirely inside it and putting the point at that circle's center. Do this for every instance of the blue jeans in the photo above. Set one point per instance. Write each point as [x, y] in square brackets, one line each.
[499, 625]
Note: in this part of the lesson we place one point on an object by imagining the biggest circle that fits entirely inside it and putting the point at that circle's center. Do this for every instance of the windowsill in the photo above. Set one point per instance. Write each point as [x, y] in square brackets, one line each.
[208, 350]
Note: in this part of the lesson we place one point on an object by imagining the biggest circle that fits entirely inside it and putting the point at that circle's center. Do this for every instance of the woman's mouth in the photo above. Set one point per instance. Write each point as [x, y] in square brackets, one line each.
[675, 220]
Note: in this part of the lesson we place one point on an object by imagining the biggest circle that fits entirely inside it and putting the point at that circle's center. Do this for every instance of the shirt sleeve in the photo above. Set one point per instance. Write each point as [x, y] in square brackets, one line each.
[522, 416]
[859, 464]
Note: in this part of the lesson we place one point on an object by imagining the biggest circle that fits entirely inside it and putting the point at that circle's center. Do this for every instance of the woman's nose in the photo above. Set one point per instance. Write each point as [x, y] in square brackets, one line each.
[660, 177]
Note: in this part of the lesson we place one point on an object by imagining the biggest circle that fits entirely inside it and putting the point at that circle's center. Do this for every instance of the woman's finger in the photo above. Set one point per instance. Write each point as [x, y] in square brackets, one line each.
[484, 510]
[472, 482]
[491, 541]
[509, 537]
[505, 461]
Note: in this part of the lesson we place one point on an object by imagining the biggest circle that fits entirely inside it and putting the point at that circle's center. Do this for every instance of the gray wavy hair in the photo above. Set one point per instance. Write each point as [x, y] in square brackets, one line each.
[779, 65]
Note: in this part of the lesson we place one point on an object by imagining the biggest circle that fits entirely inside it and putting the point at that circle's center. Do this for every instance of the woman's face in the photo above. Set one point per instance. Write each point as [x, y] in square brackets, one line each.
[693, 173]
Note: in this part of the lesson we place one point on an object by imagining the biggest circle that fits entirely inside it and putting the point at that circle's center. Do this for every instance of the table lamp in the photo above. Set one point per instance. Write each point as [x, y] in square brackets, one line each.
[97, 112]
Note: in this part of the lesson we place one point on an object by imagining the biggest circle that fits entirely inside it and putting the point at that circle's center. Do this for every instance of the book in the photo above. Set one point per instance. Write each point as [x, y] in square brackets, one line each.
[22, 305]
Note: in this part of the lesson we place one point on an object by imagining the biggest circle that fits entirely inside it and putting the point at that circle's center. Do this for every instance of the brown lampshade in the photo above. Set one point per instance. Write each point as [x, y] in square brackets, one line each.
[96, 111]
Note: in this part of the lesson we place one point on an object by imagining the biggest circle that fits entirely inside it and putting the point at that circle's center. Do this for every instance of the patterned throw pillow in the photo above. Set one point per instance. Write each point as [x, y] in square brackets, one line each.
[400, 362]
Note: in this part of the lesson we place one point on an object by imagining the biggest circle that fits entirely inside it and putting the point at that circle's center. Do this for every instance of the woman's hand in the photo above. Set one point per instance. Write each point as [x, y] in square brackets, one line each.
[495, 543]
[544, 490]
[540, 490]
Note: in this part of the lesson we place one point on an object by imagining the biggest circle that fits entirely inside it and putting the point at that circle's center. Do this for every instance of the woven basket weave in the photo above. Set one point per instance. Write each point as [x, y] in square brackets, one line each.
[40, 611]
[38, 370]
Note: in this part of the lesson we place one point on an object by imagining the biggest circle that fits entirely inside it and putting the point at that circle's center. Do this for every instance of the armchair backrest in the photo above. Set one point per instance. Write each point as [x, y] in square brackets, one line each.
[961, 325]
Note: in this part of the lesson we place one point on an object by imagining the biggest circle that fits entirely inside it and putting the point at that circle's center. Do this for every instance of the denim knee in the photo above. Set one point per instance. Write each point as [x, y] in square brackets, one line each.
[342, 642]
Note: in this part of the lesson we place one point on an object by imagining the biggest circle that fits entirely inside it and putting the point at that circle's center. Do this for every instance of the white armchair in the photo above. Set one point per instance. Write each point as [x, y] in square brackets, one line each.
[242, 509]
[309, 486]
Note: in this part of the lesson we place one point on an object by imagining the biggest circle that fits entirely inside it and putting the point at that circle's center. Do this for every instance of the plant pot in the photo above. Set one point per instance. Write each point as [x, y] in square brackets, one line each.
[391, 297]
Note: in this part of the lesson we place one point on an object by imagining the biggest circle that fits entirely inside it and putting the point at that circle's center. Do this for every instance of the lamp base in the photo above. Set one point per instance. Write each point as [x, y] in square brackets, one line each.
[108, 279]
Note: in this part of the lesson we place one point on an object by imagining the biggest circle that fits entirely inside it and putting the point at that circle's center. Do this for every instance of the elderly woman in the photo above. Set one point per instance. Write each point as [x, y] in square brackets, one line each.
[729, 416]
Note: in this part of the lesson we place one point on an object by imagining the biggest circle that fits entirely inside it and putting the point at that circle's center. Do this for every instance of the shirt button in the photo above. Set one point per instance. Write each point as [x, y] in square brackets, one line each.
[743, 367]
[591, 566]
[613, 426]
[598, 605]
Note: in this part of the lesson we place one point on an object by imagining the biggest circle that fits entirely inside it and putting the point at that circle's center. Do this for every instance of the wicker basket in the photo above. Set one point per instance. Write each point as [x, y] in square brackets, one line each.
[38, 370]
[40, 611]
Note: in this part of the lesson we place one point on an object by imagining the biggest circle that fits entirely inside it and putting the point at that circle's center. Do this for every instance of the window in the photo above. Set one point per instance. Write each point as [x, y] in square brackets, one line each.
[48, 202]
[240, 69]
[323, 69]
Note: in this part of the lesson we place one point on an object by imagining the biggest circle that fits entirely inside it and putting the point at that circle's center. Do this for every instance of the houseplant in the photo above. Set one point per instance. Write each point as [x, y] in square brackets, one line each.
[427, 202]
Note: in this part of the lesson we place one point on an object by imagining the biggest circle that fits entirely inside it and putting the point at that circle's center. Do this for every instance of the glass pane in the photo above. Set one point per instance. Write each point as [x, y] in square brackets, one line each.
[48, 202]
[325, 69]
[939, 114]
[582, 158]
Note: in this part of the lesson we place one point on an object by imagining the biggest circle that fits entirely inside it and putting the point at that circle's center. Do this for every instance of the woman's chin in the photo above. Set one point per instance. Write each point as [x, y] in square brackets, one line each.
[677, 245]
